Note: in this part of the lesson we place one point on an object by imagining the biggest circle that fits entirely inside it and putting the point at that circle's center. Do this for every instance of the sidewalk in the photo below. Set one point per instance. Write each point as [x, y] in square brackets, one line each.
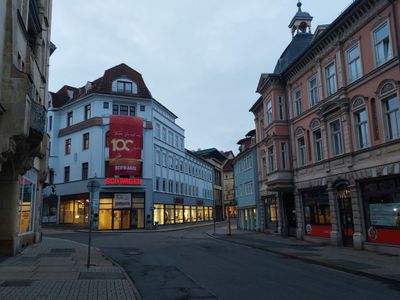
[56, 269]
[379, 266]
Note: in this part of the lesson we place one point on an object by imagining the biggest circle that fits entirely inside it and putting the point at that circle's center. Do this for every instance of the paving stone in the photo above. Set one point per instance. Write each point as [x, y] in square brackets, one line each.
[100, 275]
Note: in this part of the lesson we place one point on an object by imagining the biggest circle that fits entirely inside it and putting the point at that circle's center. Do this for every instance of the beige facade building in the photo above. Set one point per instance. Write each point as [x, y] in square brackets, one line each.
[229, 186]
[25, 48]
[217, 160]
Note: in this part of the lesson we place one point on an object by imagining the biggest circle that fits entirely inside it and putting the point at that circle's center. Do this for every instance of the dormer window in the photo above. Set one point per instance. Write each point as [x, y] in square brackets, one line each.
[124, 86]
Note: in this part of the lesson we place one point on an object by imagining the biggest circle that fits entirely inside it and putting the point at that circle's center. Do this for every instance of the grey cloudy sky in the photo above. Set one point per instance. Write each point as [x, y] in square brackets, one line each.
[200, 58]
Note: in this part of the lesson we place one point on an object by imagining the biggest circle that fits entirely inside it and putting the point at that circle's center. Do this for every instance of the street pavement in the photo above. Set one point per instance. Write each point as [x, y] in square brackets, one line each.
[195, 263]
[57, 269]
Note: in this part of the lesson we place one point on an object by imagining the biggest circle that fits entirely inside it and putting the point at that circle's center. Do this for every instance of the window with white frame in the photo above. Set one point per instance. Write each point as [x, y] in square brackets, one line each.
[362, 132]
[158, 130]
[382, 44]
[164, 134]
[164, 161]
[158, 157]
[297, 102]
[318, 150]
[354, 63]
[284, 159]
[269, 112]
[301, 146]
[313, 91]
[264, 165]
[170, 138]
[281, 107]
[392, 117]
[271, 160]
[330, 74]
[336, 138]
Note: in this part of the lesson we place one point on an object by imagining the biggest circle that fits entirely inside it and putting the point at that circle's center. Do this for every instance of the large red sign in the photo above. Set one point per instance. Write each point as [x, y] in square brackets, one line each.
[126, 143]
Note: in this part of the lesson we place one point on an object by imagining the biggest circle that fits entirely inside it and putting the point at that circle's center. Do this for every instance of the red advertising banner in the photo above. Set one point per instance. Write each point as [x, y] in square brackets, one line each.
[126, 144]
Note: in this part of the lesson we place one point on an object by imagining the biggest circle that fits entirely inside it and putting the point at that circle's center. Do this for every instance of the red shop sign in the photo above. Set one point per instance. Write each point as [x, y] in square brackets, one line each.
[123, 181]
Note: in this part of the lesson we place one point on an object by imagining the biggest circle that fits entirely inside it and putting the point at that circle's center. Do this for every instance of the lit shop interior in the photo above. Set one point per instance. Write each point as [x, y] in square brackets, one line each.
[165, 214]
[121, 211]
[74, 209]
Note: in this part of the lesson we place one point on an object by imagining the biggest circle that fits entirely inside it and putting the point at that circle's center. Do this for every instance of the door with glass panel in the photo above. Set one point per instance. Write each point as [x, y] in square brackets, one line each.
[346, 216]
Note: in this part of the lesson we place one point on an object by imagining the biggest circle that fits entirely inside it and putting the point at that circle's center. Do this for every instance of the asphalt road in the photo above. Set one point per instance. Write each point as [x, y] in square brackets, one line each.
[188, 264]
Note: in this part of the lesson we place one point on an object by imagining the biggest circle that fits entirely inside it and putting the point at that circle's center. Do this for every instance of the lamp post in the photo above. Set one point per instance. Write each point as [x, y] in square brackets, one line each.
[92, 186]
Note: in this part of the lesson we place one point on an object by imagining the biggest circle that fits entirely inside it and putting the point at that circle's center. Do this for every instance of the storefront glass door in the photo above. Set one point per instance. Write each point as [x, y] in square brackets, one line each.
[346, 217]
[121, 219]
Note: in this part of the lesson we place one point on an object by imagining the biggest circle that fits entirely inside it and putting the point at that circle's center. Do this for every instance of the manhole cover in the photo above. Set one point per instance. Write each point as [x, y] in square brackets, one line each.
[100, 275]
[16, 283]
[62, 250]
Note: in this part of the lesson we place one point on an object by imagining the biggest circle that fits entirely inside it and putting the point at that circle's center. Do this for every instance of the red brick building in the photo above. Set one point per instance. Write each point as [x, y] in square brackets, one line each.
[328, 129]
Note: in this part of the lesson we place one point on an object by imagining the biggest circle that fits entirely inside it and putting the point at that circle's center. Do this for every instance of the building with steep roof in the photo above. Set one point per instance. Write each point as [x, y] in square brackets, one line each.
[166, 184]
[328, 128]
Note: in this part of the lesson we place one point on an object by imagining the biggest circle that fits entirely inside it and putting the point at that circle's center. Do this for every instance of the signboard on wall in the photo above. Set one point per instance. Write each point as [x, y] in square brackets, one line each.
[122, 201]
[126, 144]
[385, 214]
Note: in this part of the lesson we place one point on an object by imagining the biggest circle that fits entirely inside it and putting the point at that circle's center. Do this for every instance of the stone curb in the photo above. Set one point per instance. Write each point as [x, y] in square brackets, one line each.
[147, 231]
[135, 290]
[381, 278]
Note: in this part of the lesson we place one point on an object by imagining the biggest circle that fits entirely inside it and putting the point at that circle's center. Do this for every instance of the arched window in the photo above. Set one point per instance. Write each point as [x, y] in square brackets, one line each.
[360, 121]
[318, 152]
[389, 95]
[301, 147]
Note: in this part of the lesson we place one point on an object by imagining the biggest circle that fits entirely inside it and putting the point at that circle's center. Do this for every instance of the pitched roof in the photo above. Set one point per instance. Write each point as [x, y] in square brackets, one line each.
[212, 153]
[296, 47]
[103, 85]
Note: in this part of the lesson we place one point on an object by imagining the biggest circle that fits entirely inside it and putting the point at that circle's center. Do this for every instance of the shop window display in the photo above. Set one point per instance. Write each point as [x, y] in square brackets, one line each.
[200, 214]
[178, 214]
[317, 213]
[382, 210]
[159, 214]
[169, 214]
[194, 214]
[187, 214]
[26, 200]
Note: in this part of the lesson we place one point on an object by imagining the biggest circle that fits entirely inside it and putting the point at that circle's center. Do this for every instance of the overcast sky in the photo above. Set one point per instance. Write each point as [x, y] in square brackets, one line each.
[200, 58]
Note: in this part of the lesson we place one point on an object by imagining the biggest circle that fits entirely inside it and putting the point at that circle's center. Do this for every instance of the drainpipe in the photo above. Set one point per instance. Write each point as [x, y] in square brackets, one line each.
[396, 30]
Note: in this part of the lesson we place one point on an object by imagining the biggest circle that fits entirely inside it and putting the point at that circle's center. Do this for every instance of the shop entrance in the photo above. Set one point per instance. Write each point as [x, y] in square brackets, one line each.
[346, 216]
[121, 219]
[290, 212]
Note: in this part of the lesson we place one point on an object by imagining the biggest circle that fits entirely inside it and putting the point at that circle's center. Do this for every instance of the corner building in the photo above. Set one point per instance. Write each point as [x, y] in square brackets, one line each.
[328, 128]
[173, 185]
[25, 48]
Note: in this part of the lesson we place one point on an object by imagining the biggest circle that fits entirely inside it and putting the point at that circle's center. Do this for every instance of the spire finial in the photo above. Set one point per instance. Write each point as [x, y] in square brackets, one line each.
[299, 5]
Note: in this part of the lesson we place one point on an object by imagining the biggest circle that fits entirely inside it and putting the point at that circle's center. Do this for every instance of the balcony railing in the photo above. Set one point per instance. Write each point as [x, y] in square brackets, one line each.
[38, 118]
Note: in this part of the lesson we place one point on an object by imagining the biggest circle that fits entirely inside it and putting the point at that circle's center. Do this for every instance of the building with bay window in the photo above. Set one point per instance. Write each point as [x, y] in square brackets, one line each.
[25, 48]
[172, 185]
[328, 129]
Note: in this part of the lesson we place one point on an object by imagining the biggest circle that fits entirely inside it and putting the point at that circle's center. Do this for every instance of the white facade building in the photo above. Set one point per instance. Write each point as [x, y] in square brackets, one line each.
[175, 185]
